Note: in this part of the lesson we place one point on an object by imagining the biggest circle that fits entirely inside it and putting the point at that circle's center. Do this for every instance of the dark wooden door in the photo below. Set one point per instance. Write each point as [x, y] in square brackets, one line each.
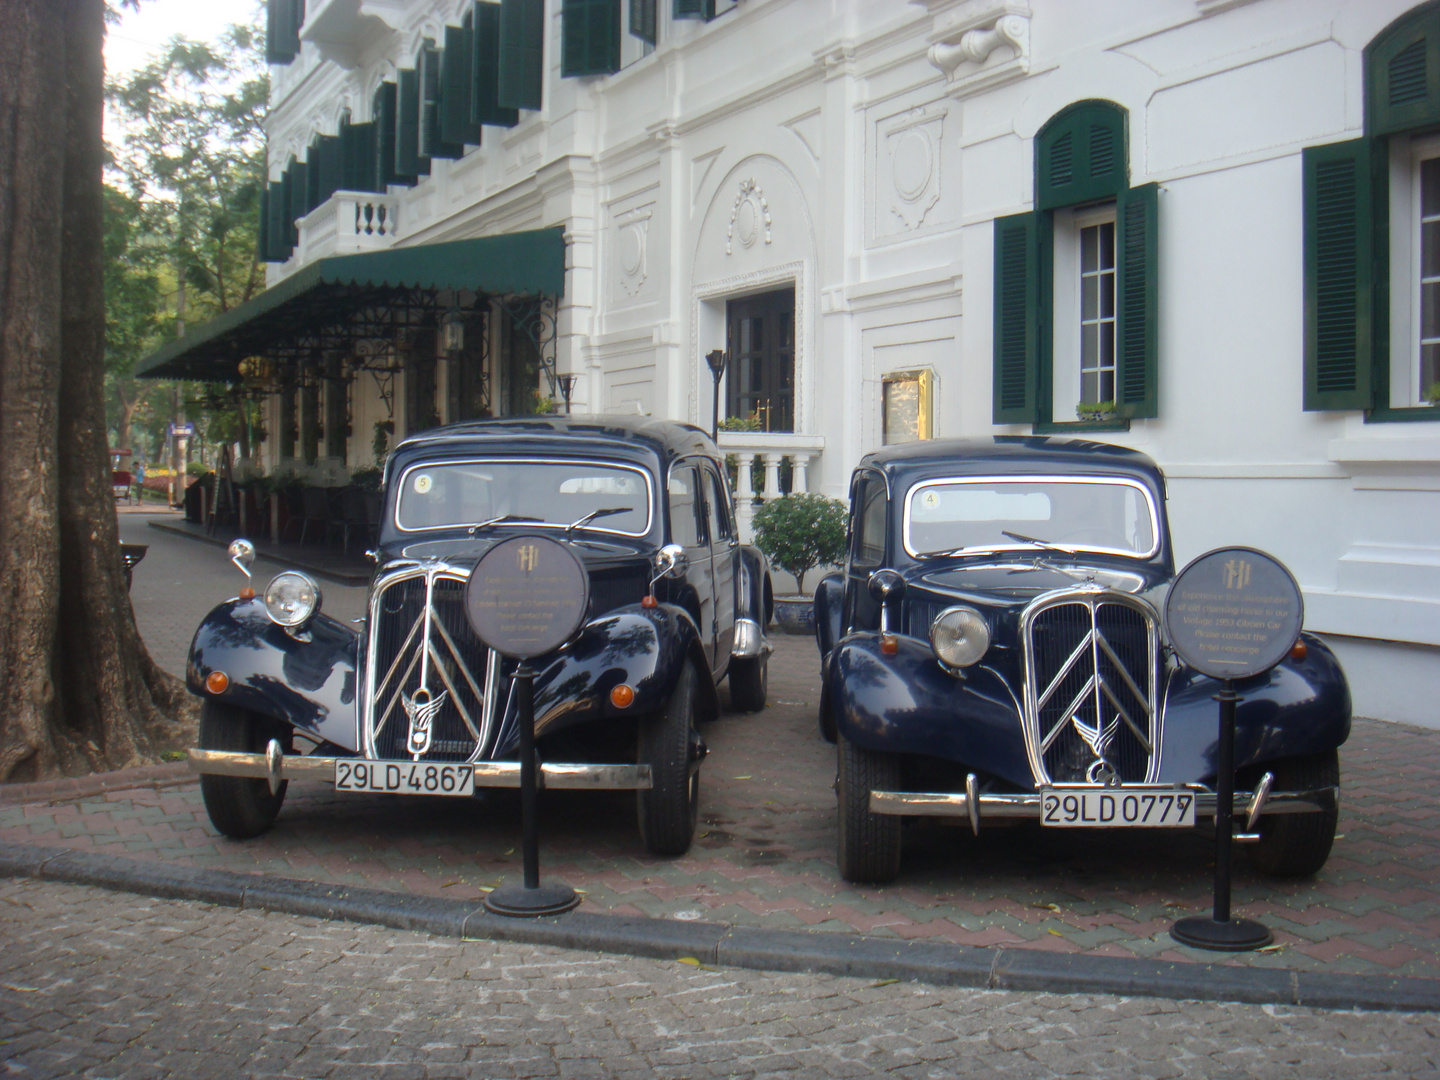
[761, 374]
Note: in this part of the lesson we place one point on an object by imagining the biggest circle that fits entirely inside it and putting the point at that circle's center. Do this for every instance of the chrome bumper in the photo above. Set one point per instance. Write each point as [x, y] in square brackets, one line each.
[491, 774]
[1249, 806]
[750, 641]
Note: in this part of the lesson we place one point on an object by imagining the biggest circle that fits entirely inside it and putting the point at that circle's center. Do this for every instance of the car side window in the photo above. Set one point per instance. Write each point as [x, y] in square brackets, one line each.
[685, 507]
[869, 536]
[719, 507]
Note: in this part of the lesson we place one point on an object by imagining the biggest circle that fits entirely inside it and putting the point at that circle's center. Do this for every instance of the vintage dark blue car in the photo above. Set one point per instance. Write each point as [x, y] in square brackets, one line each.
[414, 703]
[994, 649]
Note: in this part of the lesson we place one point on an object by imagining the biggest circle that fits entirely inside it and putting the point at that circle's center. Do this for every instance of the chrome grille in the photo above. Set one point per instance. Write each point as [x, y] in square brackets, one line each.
[1091, 676]
[440, 653]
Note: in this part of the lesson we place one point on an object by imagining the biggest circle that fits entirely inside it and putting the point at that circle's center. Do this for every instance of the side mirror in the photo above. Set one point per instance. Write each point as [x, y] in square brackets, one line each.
[671, 561]
[885, 586]
[242, 554]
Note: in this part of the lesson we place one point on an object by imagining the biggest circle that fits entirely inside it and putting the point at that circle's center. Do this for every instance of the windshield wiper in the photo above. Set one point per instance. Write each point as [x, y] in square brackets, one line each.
[1044, 564]
[606, 512]
[501, 520]
[1038, 543]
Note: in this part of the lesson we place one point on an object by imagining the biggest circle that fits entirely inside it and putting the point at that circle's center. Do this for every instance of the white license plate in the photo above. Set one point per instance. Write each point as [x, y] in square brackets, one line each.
[405, 777]
[1117, 808]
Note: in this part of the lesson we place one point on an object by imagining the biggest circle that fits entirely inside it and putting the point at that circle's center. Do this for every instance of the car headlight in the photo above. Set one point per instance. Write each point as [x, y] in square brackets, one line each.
[291, 598]
[959, 636]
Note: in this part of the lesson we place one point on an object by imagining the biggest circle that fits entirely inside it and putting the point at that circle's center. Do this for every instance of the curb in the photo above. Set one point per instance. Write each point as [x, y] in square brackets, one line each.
[84, 787]
[726, 945]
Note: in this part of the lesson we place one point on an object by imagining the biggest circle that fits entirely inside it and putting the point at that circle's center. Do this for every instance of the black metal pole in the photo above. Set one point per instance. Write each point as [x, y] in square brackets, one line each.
[715, 407]
[1224, 799]
[529, 793]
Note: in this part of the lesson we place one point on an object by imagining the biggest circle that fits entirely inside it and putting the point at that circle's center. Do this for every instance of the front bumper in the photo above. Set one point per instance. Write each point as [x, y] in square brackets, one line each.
[276, 767]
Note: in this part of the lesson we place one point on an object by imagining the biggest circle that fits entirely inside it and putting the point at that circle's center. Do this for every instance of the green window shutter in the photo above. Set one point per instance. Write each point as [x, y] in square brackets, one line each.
[283, 19]
[590, 38]
[262, 231]
[485, 107]
[1016, 321]
[432, 142]
[299, 174]
[1081, 156]
[457, 89]
[357, 157]
[278, 244]
[643, 21]
[409, 163]
[1339, 275]
[521, 75]
[1402, 75]
[287, 213]
[692, 9]
[1138, 304]
[329, 165]
[383, 109]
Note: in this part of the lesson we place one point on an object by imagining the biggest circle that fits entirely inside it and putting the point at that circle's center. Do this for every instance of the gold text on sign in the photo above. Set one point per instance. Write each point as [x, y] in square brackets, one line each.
[529, 555]
[1237, 574]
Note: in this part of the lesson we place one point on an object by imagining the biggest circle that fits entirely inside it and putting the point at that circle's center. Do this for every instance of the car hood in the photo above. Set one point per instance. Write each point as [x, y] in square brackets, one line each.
[1015, 582]
[596, 553]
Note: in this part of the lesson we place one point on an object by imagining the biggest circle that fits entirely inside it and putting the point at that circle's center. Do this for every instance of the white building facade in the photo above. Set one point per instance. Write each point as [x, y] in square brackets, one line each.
[1199, 228]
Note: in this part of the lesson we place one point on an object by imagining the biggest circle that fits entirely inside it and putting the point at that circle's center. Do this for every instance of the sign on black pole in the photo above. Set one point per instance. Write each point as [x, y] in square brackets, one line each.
[1232, 614]
[526, 597]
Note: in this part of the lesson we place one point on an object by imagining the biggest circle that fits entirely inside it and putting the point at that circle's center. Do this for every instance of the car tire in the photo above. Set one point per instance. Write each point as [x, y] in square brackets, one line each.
[749, 683]
[869, 844]
[1297, 845]
[240, 807]
[670, 808]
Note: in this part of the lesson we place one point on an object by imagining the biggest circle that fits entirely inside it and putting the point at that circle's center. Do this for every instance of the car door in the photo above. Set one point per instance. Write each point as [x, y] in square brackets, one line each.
[688, 529]
[724, 554]
[867, 549]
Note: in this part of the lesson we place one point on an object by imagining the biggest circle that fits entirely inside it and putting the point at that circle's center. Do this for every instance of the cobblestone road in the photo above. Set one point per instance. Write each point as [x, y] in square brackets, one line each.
[95, 984]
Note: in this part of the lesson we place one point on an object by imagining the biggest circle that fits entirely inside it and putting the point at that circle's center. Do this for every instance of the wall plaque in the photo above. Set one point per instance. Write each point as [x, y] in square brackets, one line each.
[1233, 613]
[527, 596]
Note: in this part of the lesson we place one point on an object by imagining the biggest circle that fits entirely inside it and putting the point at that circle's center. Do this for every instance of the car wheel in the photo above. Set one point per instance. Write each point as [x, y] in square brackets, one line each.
[749, 683]
[239, 806]
[869, 844]
[1297, 845]
[670, 808]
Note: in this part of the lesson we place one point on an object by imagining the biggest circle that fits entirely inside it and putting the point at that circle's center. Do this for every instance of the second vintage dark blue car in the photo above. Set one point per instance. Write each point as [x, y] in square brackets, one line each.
[994, 649]
[413, 703]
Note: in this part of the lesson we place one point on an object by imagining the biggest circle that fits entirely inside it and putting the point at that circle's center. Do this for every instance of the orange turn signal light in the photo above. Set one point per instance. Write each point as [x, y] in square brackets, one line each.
[889, 645]
[217, 682]
[1299, 651]
[247, 593]
[649, 602]
[622, 697]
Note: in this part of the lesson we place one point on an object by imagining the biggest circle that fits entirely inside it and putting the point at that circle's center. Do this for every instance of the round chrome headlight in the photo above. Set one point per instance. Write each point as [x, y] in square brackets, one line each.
[959, 636]
[291, 598]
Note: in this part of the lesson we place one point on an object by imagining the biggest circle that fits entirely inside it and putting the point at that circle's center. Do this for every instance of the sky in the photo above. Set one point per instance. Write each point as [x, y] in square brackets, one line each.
[143, 32]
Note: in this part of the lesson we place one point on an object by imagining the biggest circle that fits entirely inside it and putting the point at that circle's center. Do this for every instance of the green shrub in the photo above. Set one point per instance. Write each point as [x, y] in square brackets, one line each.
[800, 532]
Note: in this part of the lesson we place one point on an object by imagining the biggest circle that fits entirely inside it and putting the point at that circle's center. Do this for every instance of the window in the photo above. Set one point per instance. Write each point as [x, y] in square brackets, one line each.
[760, 377]
[719, 506]
[1076, 289]
[868, 542]
[686, 507]
[1372, 239]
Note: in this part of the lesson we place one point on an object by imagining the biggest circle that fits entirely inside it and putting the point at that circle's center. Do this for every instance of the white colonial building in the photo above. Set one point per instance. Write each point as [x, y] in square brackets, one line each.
[1207, 229]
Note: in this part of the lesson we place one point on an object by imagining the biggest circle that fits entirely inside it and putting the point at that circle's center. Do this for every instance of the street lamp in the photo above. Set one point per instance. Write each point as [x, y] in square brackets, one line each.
[716, 360]
[452, 331]
[567, 387]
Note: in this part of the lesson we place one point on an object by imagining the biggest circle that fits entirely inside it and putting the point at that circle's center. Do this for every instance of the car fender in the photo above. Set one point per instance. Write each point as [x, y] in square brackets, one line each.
[753, 591]
[1297, 708]
[307, 679]
[829, 601]
[906, 703]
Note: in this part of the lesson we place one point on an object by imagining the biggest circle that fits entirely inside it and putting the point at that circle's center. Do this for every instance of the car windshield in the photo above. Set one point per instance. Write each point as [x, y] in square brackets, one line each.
[593, 496]
[1031, 513]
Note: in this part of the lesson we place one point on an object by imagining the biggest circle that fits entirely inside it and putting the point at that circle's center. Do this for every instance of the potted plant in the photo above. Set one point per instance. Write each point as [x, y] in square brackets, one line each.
[798, 533]
[1095, 411]
[1432, 393]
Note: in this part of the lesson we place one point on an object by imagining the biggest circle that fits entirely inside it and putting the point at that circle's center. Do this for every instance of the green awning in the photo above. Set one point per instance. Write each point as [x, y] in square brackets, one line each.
[337, 297]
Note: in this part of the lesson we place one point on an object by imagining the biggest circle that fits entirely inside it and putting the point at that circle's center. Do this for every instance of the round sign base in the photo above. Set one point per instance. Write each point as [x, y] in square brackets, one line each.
[532, 903]
[1233, 935]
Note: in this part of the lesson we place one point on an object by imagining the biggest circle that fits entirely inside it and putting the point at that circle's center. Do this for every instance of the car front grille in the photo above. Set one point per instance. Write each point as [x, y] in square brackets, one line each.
[1092, 668]
[443, 656]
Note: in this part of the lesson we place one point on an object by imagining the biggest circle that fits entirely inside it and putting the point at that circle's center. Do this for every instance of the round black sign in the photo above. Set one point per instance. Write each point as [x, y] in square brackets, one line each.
[527, 596]
[1233, 613]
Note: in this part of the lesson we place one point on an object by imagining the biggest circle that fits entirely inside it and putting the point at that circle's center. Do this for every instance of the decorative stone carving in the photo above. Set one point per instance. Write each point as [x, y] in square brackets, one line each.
[748, 217]
[912, 160]
[631, 242]
[963, 48]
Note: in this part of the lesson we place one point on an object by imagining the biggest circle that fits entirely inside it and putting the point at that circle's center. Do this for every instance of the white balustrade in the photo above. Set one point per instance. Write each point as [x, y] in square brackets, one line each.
[348, 222]
[767, 450]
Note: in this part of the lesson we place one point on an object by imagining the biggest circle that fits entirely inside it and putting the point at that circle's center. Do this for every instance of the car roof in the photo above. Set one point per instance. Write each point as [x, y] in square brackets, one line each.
[667, 438]
[1020, 454]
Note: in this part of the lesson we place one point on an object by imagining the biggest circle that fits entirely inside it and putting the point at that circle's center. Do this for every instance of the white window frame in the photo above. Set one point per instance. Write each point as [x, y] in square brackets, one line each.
[1406, 156]
[1068, 222]
[632, 48]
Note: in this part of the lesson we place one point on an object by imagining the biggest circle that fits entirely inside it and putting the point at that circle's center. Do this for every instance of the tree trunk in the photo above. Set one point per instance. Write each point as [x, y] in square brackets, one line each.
[80, 690]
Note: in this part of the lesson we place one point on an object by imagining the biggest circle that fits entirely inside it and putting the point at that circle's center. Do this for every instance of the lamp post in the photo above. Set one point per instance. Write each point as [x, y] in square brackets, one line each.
[716, 359]
[567, 387]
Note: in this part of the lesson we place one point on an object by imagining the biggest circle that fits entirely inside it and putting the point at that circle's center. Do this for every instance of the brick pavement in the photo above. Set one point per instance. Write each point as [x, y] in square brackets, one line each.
[94, 984]
[764, 853]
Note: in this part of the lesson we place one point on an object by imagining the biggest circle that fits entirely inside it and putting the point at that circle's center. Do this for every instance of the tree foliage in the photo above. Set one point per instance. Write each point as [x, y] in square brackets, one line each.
[800, 532]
